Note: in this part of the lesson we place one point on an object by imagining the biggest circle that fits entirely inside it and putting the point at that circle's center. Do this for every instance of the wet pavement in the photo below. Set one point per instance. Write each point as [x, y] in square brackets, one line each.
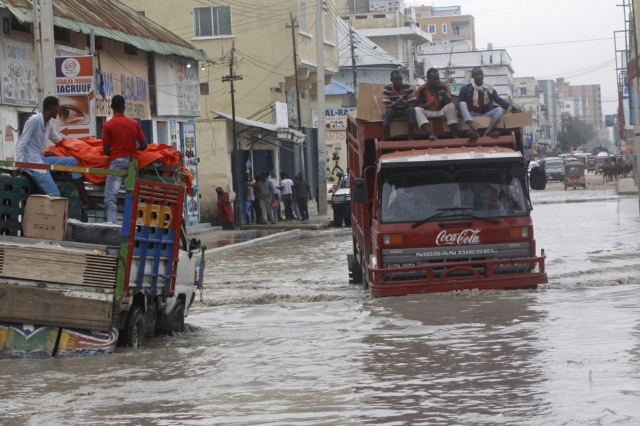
[282, 338]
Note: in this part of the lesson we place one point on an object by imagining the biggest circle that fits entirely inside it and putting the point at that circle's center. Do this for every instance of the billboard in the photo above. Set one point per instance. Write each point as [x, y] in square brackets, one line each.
[177, 86]
[19, 74]
[130, 82]
[334, 118]
[75, 90]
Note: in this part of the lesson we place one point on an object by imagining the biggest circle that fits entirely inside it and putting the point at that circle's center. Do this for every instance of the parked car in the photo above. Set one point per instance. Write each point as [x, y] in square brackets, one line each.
[554, 168]
[341, 202]
[330, 191]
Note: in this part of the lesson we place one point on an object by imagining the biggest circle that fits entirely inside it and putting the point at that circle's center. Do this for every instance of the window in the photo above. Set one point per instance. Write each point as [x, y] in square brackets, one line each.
[212, 21]
[523, 91]
[444, 28]
[142, 12]
[455, 29]
[204, 89]
[303, 16]
[432, 29]
[328, 34]
[130, 49]
[61, 34]
[432, 43]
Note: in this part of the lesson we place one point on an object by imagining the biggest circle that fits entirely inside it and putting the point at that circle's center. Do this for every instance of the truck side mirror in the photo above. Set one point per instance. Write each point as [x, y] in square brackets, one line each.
[537, 178]
[359, 191]
[194, 244]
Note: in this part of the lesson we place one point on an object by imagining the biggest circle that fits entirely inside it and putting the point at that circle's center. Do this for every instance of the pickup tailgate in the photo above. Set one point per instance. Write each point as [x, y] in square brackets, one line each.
[54, 285]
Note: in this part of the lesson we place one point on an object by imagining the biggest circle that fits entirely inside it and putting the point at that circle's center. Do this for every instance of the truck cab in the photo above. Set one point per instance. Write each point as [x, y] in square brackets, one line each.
[430, 216]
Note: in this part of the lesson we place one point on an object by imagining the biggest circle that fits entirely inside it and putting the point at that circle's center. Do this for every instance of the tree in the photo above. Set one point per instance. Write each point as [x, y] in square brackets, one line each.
[575, 132]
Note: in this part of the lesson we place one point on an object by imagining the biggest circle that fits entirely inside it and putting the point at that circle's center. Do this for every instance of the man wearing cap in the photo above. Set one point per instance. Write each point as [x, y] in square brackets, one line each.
[120, 136]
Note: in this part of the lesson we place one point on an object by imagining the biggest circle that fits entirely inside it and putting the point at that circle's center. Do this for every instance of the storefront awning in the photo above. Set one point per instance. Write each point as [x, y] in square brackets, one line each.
[281, 133]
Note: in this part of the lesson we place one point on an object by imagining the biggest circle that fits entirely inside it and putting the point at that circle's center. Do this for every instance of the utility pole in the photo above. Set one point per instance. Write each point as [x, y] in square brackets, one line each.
[45, 49]
[235, 168]
[322, 161]
[353, 61]
[293, 26]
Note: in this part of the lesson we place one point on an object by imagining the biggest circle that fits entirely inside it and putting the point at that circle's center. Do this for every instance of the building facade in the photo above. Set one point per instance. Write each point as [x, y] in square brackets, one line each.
[448, 27]
[549, 116]
[589, 95]
[527, 97]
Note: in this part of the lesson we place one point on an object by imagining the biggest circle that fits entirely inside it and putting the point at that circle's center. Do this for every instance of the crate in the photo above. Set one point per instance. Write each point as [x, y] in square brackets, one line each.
[14, 192]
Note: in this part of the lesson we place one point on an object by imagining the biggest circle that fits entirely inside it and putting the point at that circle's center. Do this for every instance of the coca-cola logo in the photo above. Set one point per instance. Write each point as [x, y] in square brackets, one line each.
[468, 236]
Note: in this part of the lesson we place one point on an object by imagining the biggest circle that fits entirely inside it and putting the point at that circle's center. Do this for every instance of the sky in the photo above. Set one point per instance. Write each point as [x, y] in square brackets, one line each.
[524, 22]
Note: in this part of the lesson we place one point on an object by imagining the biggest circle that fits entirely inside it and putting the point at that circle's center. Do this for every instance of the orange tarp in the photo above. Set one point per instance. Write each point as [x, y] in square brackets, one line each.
[89, 153]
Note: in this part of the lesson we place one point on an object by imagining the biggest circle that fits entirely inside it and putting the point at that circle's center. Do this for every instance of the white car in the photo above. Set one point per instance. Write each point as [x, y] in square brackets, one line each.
[329, 192]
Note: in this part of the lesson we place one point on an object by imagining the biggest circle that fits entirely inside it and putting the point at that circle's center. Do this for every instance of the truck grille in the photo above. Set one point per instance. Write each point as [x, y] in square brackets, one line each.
[475, 256]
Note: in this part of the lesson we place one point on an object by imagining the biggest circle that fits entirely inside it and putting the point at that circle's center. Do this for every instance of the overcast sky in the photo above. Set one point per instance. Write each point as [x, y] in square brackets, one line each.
[523, 22]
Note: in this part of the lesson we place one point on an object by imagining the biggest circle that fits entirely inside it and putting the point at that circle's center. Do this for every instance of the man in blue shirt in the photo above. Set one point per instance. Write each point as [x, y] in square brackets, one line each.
[477, 99]
[30, 149]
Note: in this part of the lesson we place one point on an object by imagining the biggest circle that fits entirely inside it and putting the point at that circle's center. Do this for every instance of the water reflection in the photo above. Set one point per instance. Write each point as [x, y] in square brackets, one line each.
[442, 359]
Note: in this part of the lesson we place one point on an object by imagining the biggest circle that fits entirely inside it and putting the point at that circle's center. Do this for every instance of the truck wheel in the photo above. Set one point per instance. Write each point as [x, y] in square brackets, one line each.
[177, 320]
[337, 219]
[355, 271]
[134, 328]
[365, 282]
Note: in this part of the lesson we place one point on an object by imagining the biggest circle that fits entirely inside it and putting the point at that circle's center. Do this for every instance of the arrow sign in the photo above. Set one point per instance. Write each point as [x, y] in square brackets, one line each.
[67, 131]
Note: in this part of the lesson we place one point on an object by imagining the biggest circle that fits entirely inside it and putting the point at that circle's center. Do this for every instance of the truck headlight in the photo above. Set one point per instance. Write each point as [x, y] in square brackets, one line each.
[338, 199]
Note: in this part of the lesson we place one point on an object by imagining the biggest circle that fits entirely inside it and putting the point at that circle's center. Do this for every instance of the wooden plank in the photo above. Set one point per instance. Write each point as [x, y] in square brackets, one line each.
[33, 305]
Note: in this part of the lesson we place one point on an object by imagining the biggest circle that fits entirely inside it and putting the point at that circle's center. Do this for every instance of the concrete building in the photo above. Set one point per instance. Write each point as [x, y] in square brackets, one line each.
[263, 40]
[496, 65]
[388, 27]
[589, 95]
[527, 97]
[549, 116]
[448, 27]
[134, 57]
[573, 106]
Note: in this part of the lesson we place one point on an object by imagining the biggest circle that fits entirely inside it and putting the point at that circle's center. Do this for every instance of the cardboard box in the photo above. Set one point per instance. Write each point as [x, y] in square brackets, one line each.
[480, 122]
[520, 119]
[370, 106]
[45, 217]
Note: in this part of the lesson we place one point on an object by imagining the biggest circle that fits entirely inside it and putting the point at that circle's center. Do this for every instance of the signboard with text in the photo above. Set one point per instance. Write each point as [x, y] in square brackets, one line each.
[335, 118]
[75, 90]
[130, 82]
[19, 74]
[191, 161]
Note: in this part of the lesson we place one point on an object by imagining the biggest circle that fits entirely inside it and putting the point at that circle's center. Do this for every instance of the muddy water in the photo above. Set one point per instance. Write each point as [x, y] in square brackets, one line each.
[281, 338]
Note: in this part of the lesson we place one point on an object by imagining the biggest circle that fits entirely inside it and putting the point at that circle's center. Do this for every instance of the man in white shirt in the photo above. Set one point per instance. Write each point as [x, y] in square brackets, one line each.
[286, 186]
[30, 149]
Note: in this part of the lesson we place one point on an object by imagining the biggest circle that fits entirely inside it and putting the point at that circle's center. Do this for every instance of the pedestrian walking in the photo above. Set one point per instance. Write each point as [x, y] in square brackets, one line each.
[287, 195]
[225, 211]
[257, 185]
[249, 198]
[119, 137]
[276, 195]
[302, 193]
[266, 199]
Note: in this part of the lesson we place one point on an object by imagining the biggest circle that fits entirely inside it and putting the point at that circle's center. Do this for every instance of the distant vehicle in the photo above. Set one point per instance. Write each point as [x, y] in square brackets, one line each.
[574, 175]
[554, 168]
[341, 202]
[330, 190]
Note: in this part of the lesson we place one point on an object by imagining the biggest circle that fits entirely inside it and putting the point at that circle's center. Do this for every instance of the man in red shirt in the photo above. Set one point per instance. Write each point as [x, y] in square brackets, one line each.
[119, 137]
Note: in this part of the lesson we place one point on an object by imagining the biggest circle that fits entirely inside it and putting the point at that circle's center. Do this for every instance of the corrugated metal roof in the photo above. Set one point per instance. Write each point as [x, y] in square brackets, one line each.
[113, 20]
[337, 88]
[282, 132]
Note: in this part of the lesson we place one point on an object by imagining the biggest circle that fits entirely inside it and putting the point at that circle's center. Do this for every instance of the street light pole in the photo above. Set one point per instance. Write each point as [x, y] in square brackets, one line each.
[322, 161]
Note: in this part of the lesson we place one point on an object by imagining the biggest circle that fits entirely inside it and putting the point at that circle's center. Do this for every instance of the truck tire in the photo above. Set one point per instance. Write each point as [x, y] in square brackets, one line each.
[355, 271]
[176, 325]
[133, 334]
[365, 282]
[337, 219]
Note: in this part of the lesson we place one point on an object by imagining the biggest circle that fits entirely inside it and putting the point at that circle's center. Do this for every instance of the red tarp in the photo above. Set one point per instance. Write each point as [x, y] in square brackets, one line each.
[89, 153]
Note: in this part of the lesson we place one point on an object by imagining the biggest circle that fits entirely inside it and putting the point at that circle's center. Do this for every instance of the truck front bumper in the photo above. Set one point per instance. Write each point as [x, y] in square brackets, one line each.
[494, 274]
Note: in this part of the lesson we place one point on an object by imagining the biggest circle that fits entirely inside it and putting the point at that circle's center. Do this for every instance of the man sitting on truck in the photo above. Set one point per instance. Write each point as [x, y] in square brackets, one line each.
[399, 99]
[120, 136]
[434, 100]
[477, 100]
[30, 149]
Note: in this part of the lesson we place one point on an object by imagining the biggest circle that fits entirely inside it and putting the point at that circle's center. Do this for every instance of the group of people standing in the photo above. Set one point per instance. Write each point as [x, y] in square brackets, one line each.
[433, 99]
[264, 197]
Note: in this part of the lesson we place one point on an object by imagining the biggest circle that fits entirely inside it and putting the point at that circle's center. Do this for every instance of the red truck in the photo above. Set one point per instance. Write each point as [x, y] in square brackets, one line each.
[445, 215]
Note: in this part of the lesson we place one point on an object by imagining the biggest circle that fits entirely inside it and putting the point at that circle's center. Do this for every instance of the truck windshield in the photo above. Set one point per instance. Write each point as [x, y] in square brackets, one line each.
[414, 196]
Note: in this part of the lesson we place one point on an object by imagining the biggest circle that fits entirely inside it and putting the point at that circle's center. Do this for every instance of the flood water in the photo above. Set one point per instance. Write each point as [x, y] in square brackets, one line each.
[281, 338]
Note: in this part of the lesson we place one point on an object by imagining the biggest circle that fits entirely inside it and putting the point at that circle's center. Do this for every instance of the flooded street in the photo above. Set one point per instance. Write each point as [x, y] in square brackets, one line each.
[282, 338]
